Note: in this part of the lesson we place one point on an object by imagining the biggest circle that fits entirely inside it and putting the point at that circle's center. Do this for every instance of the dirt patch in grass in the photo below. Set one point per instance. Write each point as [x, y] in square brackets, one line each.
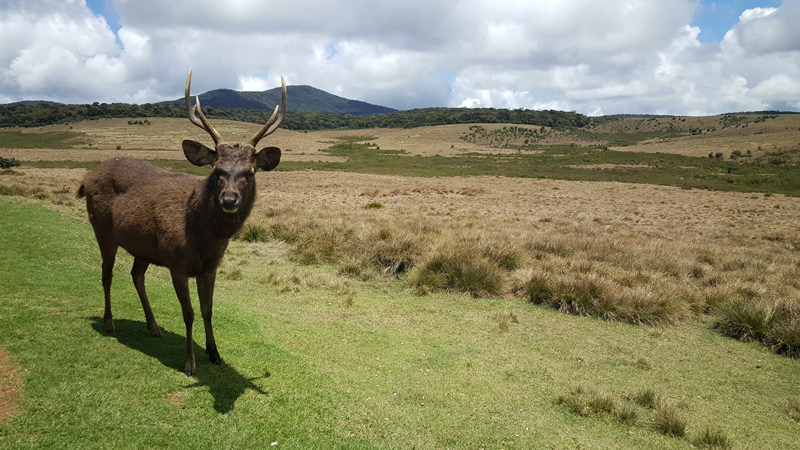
[10, 386]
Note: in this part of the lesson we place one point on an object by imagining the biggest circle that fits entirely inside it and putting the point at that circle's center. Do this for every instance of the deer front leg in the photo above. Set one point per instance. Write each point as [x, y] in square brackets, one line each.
[181, 284]
[205, 290]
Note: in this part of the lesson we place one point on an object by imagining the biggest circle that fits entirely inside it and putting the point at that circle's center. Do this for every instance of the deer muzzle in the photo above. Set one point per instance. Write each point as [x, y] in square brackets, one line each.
[229, 200]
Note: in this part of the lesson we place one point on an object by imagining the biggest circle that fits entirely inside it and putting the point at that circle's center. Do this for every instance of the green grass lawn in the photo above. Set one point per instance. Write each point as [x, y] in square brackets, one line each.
[318, 360]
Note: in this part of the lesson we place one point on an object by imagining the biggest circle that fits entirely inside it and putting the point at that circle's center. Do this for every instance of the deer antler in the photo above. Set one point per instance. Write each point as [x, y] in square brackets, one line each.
[201, 122]
[272, 124]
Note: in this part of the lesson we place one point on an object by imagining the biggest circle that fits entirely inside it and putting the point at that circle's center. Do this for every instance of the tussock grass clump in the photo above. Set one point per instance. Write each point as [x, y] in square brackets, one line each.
[595, 295]
[585, 402]
[712, 439]
[659, 414]
[253, 233]
[776, 325]
[505, 255]
[667, 421]
[648, 398]
[396, 255]
[458, 270]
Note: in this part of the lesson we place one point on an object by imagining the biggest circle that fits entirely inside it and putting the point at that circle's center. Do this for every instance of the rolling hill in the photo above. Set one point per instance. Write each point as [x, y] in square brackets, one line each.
[304, 99]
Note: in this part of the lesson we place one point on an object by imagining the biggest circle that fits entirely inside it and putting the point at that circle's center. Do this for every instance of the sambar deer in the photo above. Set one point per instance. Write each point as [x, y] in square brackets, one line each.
[179, 221]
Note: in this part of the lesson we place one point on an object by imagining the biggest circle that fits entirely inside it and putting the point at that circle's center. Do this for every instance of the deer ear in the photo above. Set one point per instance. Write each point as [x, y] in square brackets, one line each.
[268, 158]
[198, 154]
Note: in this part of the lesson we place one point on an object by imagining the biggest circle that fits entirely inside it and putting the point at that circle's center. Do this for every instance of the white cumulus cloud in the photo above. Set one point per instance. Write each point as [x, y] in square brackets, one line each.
[616, 56]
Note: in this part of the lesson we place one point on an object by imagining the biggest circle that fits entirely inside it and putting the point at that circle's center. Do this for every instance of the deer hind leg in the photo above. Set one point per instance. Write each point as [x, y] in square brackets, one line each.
[205, 290]
[108, 251]
[181, 284]
[139, 268]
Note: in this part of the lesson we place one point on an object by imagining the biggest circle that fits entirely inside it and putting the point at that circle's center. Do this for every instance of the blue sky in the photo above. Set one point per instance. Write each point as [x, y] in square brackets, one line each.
[715, 18]
[684, 57]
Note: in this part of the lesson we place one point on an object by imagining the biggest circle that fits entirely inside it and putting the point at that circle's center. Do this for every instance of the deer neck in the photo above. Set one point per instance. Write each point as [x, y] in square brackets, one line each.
[206, 213]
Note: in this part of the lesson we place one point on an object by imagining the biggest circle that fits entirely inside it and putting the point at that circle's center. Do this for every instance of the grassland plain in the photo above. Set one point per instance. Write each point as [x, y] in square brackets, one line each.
[317, 359]
[347, 255]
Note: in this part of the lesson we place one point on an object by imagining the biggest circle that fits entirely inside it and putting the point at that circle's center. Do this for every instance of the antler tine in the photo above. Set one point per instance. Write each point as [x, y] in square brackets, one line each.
[201, 122]
[272, 124]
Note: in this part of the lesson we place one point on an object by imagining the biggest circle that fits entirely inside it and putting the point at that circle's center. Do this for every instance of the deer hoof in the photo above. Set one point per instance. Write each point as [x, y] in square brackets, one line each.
[213, 355]
[155, 332]
[108, 323]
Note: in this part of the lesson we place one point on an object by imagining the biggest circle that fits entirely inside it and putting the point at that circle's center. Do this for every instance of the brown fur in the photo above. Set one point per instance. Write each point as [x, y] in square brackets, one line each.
[174, 220]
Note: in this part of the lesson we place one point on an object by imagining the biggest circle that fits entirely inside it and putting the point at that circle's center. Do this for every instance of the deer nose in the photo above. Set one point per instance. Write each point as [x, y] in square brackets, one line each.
[230, 201]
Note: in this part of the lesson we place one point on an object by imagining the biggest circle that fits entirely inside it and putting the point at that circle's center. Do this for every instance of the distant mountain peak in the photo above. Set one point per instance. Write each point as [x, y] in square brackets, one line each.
[301, 99]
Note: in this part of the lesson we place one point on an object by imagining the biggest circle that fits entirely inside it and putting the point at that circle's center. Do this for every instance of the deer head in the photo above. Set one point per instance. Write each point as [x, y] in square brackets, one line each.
[234, 165]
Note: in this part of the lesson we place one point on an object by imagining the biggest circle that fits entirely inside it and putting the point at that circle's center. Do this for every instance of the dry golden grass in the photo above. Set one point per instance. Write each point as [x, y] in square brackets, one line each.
[775, 134]
[635, 253]
[649, 254]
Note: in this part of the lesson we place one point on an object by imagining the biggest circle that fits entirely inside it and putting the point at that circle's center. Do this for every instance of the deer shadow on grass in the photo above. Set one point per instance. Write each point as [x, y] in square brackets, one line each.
[224, 382]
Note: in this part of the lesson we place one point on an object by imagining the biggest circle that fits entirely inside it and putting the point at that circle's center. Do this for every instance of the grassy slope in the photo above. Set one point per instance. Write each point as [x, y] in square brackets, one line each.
[316, 360]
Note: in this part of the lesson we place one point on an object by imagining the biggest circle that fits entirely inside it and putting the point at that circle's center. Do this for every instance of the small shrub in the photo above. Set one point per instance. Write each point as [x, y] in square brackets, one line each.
[712, 439]
[7, 163]
[374, 205]
[668, 422]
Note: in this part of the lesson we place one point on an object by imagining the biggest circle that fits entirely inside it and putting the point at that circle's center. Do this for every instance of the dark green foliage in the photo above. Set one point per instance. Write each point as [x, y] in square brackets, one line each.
[374, 205]
[319, 117]
[7, 163]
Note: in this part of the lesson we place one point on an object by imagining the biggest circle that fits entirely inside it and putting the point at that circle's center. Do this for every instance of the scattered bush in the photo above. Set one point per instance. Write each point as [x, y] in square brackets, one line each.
[7, 163]
[374, 205]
